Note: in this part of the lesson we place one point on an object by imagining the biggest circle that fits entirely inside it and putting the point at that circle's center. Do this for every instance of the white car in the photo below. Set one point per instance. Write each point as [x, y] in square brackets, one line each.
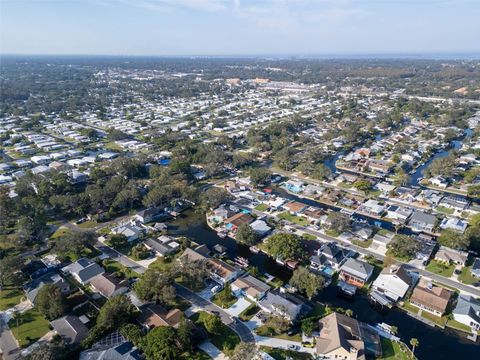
[216, 289]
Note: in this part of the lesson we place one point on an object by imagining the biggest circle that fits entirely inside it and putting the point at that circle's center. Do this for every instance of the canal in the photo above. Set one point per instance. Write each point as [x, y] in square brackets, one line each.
[435, 344]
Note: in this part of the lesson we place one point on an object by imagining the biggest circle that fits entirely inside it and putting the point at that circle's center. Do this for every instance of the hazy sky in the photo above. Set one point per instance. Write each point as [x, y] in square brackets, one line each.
[233, 27]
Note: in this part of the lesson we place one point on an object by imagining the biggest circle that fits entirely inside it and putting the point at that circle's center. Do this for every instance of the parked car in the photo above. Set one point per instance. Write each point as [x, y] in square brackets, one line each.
[216, 289]
[293, 347]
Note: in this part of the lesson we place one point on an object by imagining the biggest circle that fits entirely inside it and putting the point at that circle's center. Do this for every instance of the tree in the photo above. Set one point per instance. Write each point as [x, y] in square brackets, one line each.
[259, 176]
[155, 285]
[349, 312]
[393, 330]
[117, 311]
[414, 342]
[132, 333]
[244, 351]
[363, 185]
[213, 324]
[225, 296]
[277, 324]
[403, 246]
[50, 351]
[308, 326]
[118, 241]
[285, 246]
[193, 273]
[338, 222]
[160, 344]
[453, 239]
[8, 266]
[474, 191]
[184, 334]
[50, 301]
[246, 235]
[214, 197]
[74, 242]
[321, 172]
[306, 281]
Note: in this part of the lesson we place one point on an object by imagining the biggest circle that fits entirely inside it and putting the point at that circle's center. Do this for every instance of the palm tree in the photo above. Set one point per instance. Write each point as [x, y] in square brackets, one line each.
[349, 312]
[393, 330]
[414, 342]
[16, 317]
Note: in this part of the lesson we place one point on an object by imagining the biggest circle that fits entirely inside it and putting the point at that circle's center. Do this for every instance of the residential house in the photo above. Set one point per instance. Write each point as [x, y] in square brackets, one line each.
[250, 287]
[236, 220]
[343, 337]
[430, 298]
[31, 289]
[399, 213]
[439, 181]
[476, 268]
[329, 255]
[155, 315]
[83, 270]
[420, 221]
[281, 304]
[160, 248]
[393, 282]
[70, 328]
[295, 207]
[148, 215]
[372, 207]
[109, 285]
[131, 232]
[221, 271]
[355, 272]
[467, 311]
[260, 227]
[123, 351]
[451, 256]
[454, 224]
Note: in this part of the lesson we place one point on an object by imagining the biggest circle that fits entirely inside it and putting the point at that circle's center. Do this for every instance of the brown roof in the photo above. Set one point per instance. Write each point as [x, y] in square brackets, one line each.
[221, 268]
[106, 284]
[295, 206]
[399, 271]
[239, 219]
[339, 331]
[251, 285]
[155, 315]
[435, 297]
[193, 255]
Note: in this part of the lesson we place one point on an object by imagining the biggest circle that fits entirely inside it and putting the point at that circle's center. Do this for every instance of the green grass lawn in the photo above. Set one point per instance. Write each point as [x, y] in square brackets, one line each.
[60, 232]
[440, 268]
[161, 264]
[458, 325]
[224, 300]
[409, 307]
[280, 354]
[363, 244]
[261, 207]
[226, 341]
[394, 351]
[88, 224]
[300, 220]
[441, 321]
[112, 266]
[444, 210]
[249, 312]
[31, 327]
[466, 276]
[10, 297]
[266, 331]
[87, 252]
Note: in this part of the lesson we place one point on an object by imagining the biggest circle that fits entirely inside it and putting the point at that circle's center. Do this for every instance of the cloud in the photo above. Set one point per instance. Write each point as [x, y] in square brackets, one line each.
[170, 5]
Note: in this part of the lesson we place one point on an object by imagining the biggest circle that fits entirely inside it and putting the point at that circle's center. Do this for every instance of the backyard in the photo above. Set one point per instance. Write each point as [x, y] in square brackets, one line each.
[300, 220]
[10, 297]
[394, 351]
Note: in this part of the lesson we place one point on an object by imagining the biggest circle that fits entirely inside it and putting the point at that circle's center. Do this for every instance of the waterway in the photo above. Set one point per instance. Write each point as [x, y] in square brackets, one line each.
[435, 344]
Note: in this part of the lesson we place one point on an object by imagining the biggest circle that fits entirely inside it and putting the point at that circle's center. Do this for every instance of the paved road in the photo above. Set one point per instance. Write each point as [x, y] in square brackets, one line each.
[241, 329]
[8, 344]
[122, 259]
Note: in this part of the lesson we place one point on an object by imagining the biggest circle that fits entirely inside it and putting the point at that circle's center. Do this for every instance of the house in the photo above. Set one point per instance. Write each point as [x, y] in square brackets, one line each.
[451, 256]
[430, 298]
[148, 215]
[281, 304]
[454, 202]
[476, 268]
[123, 351]
[222, 213]
[467, 311]
[222, 272]
[109, 285]
[131, 232]
[236, 220]
[399, 213]
[70, 328]
[343, 337]
[372, 207]
[393, 282]
[294, 186]
[260, 227]
[250, 287]
[329, 255]
[420, 221]
[454, 224]
[31, 289]
[160, 248]
[355, 272]
[155, 315]
[439, 181]
[83, 270]
[295, 207]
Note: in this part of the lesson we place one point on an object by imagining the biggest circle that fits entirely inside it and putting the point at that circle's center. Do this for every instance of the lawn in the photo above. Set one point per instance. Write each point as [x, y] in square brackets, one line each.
[224, 299]
[266, 331]
[444, 210]
[249, 312]
[225, 341]
[409, 307]
[280, 354]
[440, 321]
[440, 269]
[363, 244]
[59, 233]
[466, 276]
[458, 325]
[300, 220]
[394, 351]
[31, 327]
[161, 264]
[112, 266]
[87, 224]
[87, 252]
[9, 298]
[261, 207]
[309, 237]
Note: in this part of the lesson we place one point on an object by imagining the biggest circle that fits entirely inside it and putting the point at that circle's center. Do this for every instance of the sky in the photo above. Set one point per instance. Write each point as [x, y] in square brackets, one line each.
[239, 27]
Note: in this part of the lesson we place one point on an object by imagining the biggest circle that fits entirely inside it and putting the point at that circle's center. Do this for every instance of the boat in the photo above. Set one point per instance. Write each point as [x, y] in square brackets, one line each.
[384, 327]
[241, 261]
[222, 234]
[254, 249]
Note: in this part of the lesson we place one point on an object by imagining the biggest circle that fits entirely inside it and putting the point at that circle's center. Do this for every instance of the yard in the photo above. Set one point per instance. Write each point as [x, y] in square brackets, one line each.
[224, 298]
[31, 327]
[112, 266]
[394, 351]
[280, 354]
[249, 312]
[364, 244]
[440, 268]
[261, 207]
[10, 297]
[458, 325]
[300, 220]
[440, 321]
[444, 210]
[226, 341]
[87, 224]
[466, 276]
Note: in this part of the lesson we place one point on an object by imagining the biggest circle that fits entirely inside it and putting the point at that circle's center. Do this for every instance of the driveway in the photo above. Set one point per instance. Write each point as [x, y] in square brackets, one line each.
[8, 344]
[281, 344]
[238, 307]
[212, 351]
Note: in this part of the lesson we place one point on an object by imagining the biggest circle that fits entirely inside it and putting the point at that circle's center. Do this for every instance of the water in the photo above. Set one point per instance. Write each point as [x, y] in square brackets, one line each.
[435, 344]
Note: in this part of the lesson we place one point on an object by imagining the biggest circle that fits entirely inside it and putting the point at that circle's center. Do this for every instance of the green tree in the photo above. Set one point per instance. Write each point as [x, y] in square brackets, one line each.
[403, 246]
[363, 185]
[50, 301]
[246, 235]
[259, 176]
[74, 242]
[321, 172]
[155, 285]
[214, 197]
[338, 222]
[161, 344]
[414, 342]
[118, 241]
[285, 246]
[453, 239]
[213, 324]
[306, 281]
[132, 333]
[117, 311]
[244, 351]
[308, 326]
[9, 265]
[474, 191]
